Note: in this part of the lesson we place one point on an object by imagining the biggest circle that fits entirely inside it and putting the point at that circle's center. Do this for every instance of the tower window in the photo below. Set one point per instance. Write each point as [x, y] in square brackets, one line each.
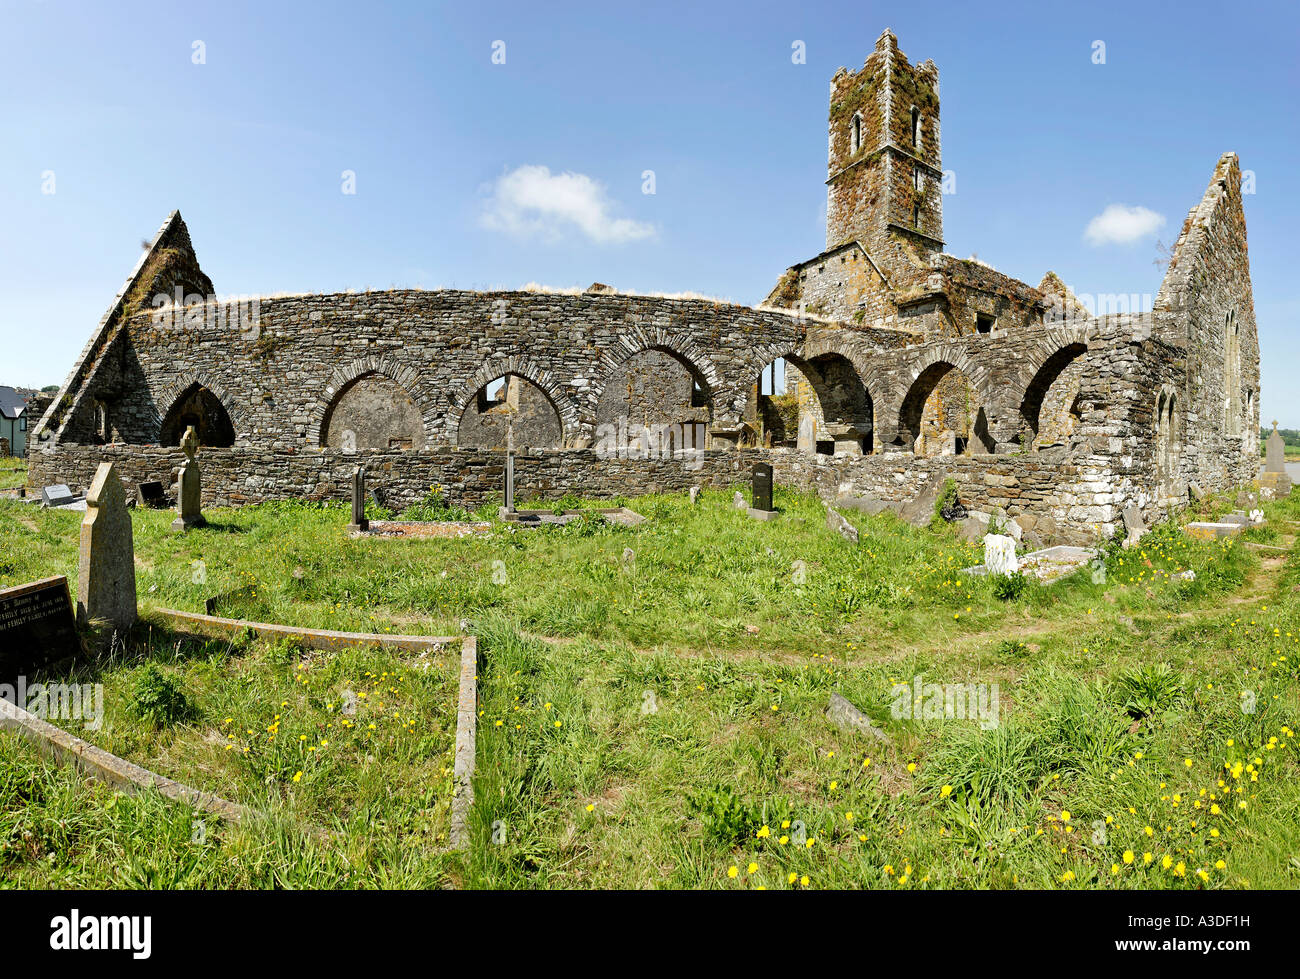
[916, 215]
[855, 133]
[916, 127]
[984, 322]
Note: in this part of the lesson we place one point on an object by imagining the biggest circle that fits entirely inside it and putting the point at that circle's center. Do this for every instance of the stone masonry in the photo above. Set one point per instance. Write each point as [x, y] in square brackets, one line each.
[906, 365]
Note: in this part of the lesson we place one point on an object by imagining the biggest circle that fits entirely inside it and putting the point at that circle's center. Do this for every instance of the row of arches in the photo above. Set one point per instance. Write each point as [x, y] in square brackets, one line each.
[817, 401]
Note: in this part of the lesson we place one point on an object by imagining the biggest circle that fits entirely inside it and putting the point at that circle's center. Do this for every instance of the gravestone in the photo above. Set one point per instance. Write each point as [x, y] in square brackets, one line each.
[762, 486]
[1134, 525]
[106, 566]
[1274, 480]
[695, 495]
[1275, 461]
[151, 495]
[359, 522]
[36, 627]
[1000, 554]
[836, 522]
[189, 486]
[58, 495]
[510, 483]
[738, 501]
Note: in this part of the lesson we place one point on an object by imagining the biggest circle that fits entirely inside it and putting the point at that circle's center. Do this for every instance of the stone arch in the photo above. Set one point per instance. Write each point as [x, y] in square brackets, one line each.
[561, 400]
[826, 406]
[524, 416]
[347, 375]
[1168, 440]
[682, 408]
[944, 396]
[1054, 385]
[1232, 407]
[204, 404]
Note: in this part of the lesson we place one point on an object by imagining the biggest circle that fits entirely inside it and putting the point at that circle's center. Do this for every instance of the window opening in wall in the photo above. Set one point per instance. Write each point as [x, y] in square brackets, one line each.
[984, 322]
[698, 398]
[492, 394]
[916, 127]
[772, 381]
[855, 134]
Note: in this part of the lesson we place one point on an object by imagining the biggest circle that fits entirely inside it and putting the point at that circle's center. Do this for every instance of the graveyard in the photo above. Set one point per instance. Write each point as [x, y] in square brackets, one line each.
[651, 701]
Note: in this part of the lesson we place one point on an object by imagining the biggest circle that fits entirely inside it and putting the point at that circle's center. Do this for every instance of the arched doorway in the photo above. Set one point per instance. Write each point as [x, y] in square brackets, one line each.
[939, 415]
[819, 404]
[198, 406]
[1051, 410]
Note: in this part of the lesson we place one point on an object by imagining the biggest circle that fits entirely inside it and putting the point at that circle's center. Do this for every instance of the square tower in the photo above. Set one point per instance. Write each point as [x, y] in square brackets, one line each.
[885, 175]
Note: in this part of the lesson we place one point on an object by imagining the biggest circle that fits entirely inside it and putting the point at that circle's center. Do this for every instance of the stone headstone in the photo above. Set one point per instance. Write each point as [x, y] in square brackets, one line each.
[836, 522]
[58, 495]
[1000, 554]
[738, 501]
[695, 495]
[36, 628]
[359, 522]
[1275, 458]
[1134, 525]
[806, 440]
[151, 495]
[510, 483]
[841, 712]
[1257, 517]
[106, 567]
[762, 486]
[189, 486]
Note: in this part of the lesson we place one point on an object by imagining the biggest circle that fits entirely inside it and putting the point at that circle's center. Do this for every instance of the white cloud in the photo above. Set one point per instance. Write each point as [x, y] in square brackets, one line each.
[530, 200]
[1121, 225]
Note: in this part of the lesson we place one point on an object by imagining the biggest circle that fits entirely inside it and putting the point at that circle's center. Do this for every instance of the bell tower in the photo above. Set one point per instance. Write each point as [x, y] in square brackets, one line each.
[884, 175]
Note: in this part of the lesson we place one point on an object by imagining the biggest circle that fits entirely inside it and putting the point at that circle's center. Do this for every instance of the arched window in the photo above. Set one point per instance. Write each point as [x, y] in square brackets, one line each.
[1232, 375]
[855, 133]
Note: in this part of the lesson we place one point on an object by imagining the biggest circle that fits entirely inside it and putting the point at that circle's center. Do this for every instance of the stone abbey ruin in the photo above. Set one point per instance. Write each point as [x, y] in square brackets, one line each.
[905, 367]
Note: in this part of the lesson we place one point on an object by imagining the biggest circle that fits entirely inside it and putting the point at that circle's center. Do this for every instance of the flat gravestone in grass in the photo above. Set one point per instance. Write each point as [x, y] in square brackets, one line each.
[36, 628]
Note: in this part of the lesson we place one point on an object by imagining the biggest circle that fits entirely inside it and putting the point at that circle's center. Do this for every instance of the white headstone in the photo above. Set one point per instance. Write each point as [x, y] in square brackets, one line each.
[1000, 554]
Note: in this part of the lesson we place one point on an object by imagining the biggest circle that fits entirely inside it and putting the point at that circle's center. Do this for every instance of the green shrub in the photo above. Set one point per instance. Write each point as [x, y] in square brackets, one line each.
[158, 699]
[726, 819]
[1009, 587]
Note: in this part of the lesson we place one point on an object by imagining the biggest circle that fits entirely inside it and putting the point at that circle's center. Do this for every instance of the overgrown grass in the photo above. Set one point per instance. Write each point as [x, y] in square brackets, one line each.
[657, 718]
[13, 472]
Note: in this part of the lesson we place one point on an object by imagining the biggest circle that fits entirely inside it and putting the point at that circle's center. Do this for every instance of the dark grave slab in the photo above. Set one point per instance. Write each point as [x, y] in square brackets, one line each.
[762, 486]
[151, 495]
[36, 627]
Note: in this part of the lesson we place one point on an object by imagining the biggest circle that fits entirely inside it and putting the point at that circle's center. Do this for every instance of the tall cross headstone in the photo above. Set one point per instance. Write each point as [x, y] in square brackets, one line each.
[762, 486]
[189, 486]
[106, 564]
[1275, 461]
[359, 522]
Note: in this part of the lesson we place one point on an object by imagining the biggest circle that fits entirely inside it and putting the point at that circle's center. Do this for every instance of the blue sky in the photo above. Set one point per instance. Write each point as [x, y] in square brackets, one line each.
[448, 147]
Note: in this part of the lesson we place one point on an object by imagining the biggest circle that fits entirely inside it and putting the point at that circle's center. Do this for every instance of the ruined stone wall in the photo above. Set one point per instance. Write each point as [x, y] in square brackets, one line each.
[1071, 502]
[1205, 305]
[278, 378]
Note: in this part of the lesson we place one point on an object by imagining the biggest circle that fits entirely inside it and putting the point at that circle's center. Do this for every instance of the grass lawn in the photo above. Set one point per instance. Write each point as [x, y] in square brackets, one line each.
[652, 709]
[13, 472]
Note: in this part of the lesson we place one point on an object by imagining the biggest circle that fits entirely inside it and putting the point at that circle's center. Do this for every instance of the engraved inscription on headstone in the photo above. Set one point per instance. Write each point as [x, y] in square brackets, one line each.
[36, 627]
